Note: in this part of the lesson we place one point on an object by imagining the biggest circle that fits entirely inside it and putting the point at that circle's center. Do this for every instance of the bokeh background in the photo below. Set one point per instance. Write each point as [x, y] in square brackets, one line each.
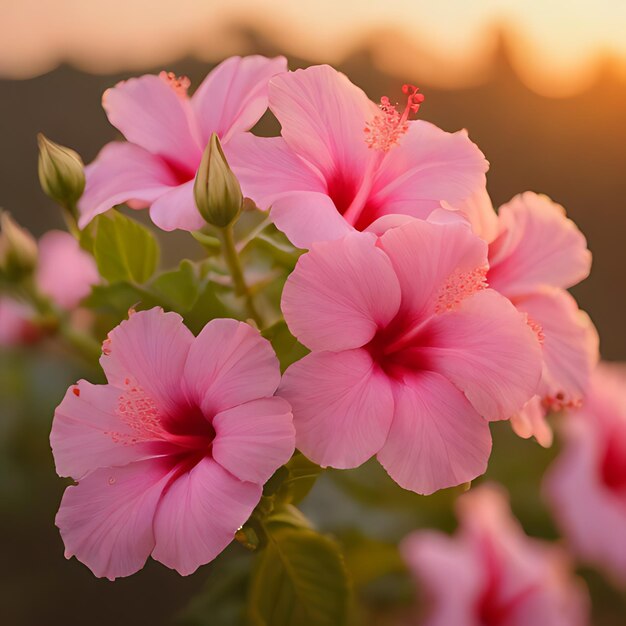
[541, 88]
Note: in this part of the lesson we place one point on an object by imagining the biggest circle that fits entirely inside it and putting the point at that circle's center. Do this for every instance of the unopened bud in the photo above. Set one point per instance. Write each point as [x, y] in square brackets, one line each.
[61, 173]
[18, 250]
[217, 190]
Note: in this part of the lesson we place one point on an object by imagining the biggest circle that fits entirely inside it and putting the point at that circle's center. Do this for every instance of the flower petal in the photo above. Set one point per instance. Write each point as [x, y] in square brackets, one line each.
[106, 520]
[479, 210]
[267, 168]
[86, 432]
[537, 246]
[254, 439]
[436, 439]
[16, 327]
[342, 406]
[340, 293]
[428, 167]
[425, 255]
[122, 172]
[229, 364]
[570, 345]
[589, 514]
[149, 349]
[65, 272]
[487, 350]
[451, 574]
[530, 421]
[323, 117]
[149, 113]
[199, 515]
[234, 95]
[177, 209]
[307, 217]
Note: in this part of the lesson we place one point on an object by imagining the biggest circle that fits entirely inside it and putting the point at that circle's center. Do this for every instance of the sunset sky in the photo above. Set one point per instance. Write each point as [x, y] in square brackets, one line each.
[556, 44]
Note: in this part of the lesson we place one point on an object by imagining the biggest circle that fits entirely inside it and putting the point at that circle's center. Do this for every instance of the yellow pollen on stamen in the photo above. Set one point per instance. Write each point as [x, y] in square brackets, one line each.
[458, 286]
[386, 129]
[180, 84]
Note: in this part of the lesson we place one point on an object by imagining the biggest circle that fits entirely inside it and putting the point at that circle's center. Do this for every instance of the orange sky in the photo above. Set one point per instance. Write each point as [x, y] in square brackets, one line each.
[556, 43]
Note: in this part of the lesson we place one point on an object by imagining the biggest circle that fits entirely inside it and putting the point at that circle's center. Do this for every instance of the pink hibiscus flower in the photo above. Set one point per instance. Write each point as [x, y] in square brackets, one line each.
[342, 162]
[535, 254]
[170, 456]
[16, 327]
[492, 573]
[586, 485]
[167, 132]
[411, 353]
[65, 273]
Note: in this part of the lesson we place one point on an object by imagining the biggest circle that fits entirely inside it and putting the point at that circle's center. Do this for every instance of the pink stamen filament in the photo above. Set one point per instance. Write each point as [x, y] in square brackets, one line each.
[386, 129]
[382, 134]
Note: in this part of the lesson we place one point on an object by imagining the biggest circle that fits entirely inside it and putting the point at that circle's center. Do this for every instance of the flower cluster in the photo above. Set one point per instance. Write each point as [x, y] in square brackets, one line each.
[422, 315]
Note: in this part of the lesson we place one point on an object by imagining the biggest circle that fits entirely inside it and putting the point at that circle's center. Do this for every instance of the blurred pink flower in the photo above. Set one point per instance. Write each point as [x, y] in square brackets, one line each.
[167, 132]
[411, 353]
[170, 456]
[342, 162]
[65, 273]
[491, 573]
[16, 327]
[535, 254]
[586, 485]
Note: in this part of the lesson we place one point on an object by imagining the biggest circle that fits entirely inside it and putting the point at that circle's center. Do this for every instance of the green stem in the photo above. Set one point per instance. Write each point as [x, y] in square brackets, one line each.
[236, 271]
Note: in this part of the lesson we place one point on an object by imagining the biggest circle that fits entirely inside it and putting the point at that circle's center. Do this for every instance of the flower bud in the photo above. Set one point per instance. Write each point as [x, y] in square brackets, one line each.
[217, 190]
[18, 250]
[61, 172]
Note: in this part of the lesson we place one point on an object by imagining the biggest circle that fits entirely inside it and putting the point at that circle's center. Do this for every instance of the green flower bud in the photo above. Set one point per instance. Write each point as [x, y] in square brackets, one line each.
[61, 173]
[217, 190]
[18, 250]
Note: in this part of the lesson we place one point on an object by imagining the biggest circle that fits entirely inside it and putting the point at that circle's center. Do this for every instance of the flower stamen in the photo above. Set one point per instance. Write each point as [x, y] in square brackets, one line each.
[180, 84]
[386, 129]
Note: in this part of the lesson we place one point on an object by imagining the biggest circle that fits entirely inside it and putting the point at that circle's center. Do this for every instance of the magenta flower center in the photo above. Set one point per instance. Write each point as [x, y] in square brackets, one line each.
[613, 461]
[180, 173]
[185, 430]
[352, 197]
[402, 345]
[493, 607]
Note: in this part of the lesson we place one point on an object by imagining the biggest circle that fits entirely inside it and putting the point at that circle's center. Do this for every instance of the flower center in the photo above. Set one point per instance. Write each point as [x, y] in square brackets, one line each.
[187, 430]
[386, 129]
[613, 462]
[403, 345]
[180, 84]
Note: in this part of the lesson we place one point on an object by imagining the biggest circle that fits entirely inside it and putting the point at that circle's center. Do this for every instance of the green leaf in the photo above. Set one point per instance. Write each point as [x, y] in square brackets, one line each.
[207, 306]
[369, 559]
[114, 299]
[299, 580]
[124, 249]
[288, 515]
[302, 476]
[210, 243]
[177, 289]
[288, 349]
[222, 600]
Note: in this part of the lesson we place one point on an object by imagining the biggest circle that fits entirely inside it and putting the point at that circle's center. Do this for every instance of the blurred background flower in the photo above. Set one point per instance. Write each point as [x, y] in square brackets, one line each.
[541, 88]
